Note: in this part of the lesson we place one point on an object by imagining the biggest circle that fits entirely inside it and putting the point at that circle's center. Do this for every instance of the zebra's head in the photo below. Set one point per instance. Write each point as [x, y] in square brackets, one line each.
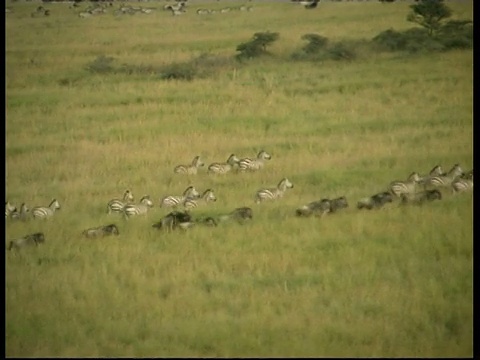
[208, 195]
[414, 176]
[54, 204]
[233, 159]
[9, 208]
[197, 162]
[456, 170]
[436, 171]
[285, 184]
[128, 196]
[264, 155]
[191, 192]
[146, 201]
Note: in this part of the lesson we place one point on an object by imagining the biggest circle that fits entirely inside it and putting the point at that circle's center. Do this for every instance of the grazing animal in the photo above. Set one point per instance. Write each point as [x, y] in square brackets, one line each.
[203, 11]
[101, 231]
[322, 207]
[174, 220]
[138, 209]
[207, 196]
[43, 212]
[463, 183]
[446, 179]
[117, 205]
[23, 214]
[208, 221]
[240, 214]
[410, 186]
[254, 164]
[310, 4]
[189, 169]
[9, 209]
[273, 193]
[174, 200]
[27, 240]
[223, 168]
[376, 201]
[421, 197]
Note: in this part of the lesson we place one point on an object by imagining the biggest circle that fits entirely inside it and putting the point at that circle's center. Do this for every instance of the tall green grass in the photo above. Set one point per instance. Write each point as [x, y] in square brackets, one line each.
[388, 283]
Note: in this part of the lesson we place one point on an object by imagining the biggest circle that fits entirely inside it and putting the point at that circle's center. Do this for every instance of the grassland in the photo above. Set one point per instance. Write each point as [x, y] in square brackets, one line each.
[391, 283]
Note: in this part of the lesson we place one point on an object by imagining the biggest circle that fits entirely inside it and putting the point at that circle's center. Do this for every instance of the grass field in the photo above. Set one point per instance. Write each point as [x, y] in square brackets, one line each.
[394, 282]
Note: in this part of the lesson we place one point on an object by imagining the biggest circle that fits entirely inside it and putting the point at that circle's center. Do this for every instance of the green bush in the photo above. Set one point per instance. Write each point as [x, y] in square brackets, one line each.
[316, 43]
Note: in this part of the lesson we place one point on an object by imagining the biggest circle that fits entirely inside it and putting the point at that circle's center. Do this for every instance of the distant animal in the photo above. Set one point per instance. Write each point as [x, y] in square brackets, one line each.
[421, 197]
[310, 4]
[208, 221]
[175, 200]
[240, 214]
[44, 212]
[322, 207]
[189, 169]
[273, 193]
[9, 209]
[117, 205]
[27, 240]
[23, 214]
[138, 209]
[410, 186]
[101, 231]
[174, 220]
[254, 164]
[376, 201]
[445, 179]
[223, 168]
[463, 183]
[208, 196]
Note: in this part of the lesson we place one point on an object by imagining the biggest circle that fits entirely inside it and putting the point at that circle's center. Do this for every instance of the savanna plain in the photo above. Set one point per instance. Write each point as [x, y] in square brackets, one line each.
[392, 282]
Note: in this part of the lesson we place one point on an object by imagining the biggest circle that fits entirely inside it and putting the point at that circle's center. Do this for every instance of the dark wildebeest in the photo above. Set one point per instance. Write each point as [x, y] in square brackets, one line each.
[174, 220]
[240, 214]
[375, 201]
[322, 207]
[27, 240]
[101, 231]
[422, 197]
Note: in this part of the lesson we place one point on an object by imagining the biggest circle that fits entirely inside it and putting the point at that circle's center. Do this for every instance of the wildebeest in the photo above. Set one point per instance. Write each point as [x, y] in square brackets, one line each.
[174, 220]
[322, 207]
[27, 240]
[375, 201]
[101, 231]
[421, 197]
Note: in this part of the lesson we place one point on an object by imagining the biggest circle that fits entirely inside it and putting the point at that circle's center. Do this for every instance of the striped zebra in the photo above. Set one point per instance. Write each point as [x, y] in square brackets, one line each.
[446, 179]
[273, 193]
[189, 169]
[207, 197]
[23, 214]
[254, 164]
[436, 171]
[463, 183]
[117, 205]
[223, 168]
[410, 186]
[43, 212]
[173, 201]
[9, 209]
[138, 209]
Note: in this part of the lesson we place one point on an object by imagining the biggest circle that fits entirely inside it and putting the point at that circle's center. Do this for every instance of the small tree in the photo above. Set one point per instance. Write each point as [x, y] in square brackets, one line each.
[429, 14]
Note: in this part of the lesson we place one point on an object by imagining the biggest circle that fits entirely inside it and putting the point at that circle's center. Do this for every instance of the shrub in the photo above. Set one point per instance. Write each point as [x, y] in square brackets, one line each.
[101, 65]
[316, 43]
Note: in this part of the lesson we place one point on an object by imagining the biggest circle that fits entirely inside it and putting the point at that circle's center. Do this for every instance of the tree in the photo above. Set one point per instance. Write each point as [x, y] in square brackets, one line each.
[429, 14]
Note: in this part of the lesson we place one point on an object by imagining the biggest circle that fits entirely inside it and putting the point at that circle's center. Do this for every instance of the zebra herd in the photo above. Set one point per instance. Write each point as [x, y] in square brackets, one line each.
[416, 189]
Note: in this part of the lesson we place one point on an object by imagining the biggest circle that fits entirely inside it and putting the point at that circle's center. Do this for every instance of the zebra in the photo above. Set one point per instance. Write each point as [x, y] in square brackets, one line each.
[27, 240]
[398, 188]
[174, 201]
[375, 201]
[117, 205]
[23, 214]
[446, 179]
[174, 220]
[43, 212]
[421, 197]
[9, 209]
[254, 164]
[101, 231]
[273, 193]
[223, 168]
[203, 11]
[138, 209]
[436, 171]
[463, 183]
[189, 169]
[207, 196]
